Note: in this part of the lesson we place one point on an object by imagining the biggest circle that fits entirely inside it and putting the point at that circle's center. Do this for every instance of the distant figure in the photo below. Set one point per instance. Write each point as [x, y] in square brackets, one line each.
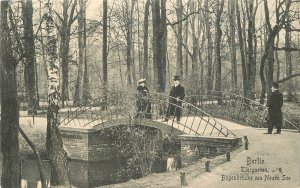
[274, 105]
[143, 100]
[176, 95]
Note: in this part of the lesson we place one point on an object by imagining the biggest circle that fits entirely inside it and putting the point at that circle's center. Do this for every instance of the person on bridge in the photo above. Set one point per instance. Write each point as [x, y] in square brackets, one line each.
[274, 105]
[143, 100]
[176, 96]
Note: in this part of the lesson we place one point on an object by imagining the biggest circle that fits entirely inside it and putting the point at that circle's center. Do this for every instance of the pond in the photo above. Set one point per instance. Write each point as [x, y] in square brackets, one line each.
[82, 174]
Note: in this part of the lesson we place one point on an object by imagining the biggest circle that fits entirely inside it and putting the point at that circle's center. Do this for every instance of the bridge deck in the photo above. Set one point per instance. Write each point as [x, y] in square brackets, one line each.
[41, 123]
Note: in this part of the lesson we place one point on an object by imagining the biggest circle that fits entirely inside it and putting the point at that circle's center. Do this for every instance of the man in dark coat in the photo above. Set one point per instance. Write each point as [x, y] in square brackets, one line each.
[274, 109]
[143, 100]
[177, 94]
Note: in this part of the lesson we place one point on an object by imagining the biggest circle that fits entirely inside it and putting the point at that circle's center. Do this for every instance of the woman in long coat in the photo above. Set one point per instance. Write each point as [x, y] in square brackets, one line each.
[143, 100]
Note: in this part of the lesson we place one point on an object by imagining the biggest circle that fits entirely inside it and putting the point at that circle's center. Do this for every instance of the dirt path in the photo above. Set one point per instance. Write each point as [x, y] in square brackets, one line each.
[278, 155]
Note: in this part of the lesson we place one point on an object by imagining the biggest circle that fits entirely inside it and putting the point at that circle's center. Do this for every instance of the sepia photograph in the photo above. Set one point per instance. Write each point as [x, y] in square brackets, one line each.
[150, 93]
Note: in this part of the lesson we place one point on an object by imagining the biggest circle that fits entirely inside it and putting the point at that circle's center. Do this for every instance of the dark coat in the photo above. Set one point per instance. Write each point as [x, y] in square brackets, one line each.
[143, 99]
[177, 92]
[275, 103]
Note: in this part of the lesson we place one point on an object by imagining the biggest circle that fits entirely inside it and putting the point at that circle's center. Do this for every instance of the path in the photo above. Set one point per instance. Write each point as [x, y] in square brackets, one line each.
[277, 151]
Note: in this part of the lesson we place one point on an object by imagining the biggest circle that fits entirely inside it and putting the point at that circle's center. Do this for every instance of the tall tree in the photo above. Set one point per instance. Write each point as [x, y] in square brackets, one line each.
[78, 97]
[242, 46]
[268, 52]
[231, 6]
[159, 43]
[179, 55]
[288, 56]
[30, 60]
[57, 155]
[104, 49]
[206, 15]
[66, 21]
[145, 42]
[251, 50]
[11, 176]
[128, 7]
[218, 36]
[164, 37]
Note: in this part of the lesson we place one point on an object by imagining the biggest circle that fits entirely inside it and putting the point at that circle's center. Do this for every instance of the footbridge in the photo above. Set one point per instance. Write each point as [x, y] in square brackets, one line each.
[233, 107]
[120, 108]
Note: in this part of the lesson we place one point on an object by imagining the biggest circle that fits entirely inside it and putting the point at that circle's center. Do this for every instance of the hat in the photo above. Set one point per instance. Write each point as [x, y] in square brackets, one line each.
[141, 80]
[176, 78]
[275, 85]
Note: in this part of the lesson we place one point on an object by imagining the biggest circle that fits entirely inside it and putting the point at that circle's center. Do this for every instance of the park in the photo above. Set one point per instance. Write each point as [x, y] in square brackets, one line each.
[151, 93]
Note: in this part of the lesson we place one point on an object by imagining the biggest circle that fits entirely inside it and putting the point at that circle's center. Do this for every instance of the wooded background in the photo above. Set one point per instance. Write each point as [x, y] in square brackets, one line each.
[236, 46]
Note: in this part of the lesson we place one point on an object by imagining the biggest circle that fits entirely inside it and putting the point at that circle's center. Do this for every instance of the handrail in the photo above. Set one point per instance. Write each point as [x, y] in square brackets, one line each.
[124, 106]
[252, 107]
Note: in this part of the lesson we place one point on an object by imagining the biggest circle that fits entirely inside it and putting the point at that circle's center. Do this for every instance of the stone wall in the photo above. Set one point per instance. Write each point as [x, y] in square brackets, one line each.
[87, 144]
[194, 147]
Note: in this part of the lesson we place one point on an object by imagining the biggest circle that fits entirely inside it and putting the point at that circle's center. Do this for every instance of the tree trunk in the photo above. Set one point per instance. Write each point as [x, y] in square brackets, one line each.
[195, 40]
[104, 51]
[268, 57]
[288, 59]
[145, 42]
[156, 45]
[232, 45]
[218, 85]
[86, 93]
[57, 155]
[209, 48]
[30, 61]
[179, 62]
[65, 35]
[186, 38]
[277, 59]
[81, 51]
[251, 63]
[242, 51]
[64, 48]
[11, 176]
[164, 34]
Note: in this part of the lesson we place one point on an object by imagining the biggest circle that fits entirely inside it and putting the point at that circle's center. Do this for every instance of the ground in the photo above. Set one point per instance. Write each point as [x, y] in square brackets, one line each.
[278, 154]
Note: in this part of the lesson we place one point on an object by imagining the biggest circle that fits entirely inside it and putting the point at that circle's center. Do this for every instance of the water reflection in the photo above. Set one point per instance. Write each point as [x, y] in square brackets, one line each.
[83, 174]
[31, 175]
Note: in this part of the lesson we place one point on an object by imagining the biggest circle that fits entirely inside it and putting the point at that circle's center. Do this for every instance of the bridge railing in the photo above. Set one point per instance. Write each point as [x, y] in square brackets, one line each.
[118, 105]
[234, 107]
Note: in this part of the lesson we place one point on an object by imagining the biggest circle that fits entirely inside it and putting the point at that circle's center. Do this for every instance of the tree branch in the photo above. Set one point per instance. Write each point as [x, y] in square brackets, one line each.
[185, 18]
[289, 77]
[287, 49]
[184, 45]
[37, 155]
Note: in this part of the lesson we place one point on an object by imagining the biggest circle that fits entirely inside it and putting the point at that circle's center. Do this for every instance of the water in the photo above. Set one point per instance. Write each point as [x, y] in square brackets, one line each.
[82, 174]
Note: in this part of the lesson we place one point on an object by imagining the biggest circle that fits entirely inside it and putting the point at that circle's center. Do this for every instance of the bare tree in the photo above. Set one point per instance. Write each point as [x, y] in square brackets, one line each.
[242, 46]
[251, 63]
[11, 176]
[57, 155]
[179, 55]
[232, 43]
[81, 51]
[209, 45]
[30, 60]
[218, 36]
[145, 42]
[268, 52]
[104, 49]
[64, 27]
[159, 42]
[288, 56]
